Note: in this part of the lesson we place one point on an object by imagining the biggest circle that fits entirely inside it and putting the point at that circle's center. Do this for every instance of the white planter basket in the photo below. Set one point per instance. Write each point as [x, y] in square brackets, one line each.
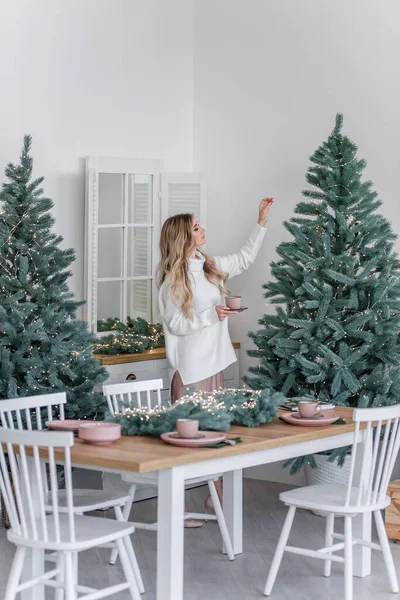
[327, 472]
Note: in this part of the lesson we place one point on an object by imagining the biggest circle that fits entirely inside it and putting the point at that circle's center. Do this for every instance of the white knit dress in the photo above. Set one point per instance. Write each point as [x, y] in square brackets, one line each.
[200, 347]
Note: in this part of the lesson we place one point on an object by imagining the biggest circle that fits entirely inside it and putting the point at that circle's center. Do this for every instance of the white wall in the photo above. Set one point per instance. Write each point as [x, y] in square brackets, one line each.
[100, 77]
[270, 75]
[269, 78]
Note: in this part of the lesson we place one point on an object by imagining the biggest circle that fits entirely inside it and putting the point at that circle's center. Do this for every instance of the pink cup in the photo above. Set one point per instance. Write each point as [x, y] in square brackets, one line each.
[308, 408]
[187, 428]
[233, 302]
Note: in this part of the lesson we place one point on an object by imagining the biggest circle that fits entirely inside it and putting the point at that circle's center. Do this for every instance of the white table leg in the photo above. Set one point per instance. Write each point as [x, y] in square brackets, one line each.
[171, 489]
[34, 561]
[233, 507]
[362, 525]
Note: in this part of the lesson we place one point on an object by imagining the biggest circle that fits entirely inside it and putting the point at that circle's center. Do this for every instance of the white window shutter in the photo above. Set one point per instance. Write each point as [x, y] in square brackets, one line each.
[184, 193]
[139, 299]
[141, 242]
[140, 292]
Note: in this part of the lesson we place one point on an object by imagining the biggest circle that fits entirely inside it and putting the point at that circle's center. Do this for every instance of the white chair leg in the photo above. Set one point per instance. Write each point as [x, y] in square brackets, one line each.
[127, 570]
[221, 520]
[387, 554]
[134, 564]
[348, 559]
[69, 574]
[59, 595]
[126, 513]
[15, 574]
[276, 561]
[330, 523]
[131, 553]
[75, 558]
[75, 561]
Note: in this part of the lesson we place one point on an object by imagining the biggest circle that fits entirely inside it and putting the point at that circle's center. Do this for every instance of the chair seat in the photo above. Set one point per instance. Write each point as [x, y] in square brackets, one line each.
[329, 498]
[89, 532]
[87, 500]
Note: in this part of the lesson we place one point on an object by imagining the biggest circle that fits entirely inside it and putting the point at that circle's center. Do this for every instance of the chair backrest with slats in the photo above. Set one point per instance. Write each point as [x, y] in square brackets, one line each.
[133, 394]
[22, 486]
[32, 412]
[377, 455]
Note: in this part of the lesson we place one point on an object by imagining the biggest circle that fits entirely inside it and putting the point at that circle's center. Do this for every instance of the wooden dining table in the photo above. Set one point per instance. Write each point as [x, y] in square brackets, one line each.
[173, 465]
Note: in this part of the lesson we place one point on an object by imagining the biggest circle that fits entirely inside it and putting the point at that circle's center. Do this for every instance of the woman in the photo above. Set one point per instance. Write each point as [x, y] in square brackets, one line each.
[191, 301]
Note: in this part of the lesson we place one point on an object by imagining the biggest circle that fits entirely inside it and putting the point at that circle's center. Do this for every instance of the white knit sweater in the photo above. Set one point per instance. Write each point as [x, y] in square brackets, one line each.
[201, 347]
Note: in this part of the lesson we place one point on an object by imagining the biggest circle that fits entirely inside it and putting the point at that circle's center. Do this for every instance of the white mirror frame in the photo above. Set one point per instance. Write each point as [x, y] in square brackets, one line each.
[124, 166]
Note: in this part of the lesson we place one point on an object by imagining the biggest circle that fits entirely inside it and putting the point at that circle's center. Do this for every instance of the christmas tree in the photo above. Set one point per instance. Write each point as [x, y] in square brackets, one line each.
[44, 348]
[335, 333]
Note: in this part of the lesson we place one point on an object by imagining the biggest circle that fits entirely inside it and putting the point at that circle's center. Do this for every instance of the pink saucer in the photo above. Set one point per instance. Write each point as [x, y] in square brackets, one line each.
[67, 424]
[207, 439]
[326, 418]
[238, 310]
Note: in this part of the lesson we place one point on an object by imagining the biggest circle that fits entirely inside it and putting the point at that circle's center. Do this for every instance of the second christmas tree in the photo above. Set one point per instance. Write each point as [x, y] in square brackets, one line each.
[335, 332]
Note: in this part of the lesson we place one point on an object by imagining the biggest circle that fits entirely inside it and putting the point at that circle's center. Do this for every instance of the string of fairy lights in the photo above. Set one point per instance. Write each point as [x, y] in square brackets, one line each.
[209, 401]
[135, 335]
[8, 240]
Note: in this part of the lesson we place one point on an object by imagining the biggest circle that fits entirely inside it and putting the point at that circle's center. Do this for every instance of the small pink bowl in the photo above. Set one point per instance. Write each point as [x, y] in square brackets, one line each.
[99, 433]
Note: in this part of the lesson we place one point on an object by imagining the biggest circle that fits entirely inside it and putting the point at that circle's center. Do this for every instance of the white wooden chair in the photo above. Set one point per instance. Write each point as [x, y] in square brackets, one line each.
[66, 534]
[33, 412]
[366, 492]
[147, 394]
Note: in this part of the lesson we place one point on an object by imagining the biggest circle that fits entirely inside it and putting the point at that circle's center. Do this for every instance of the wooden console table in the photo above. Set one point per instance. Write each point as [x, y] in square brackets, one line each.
[152, 364]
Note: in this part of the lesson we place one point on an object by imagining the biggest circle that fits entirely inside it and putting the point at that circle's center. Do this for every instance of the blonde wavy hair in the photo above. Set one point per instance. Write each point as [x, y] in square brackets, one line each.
[176, 245]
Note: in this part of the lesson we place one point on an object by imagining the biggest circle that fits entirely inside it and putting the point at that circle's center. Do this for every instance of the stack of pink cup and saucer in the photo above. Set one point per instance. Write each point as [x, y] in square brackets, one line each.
[234, 303]
[311, 414]
[187, 434]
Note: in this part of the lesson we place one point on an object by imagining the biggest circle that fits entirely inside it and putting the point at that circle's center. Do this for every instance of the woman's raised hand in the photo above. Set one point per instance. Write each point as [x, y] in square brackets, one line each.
[263, 211]
[223, 312]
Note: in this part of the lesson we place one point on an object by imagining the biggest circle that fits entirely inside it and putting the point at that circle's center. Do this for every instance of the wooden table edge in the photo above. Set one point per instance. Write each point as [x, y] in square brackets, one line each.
[154, 354]
[252, 441]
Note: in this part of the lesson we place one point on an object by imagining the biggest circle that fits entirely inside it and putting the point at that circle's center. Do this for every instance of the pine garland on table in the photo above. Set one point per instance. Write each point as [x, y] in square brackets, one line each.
[135, 335]
[215, 410]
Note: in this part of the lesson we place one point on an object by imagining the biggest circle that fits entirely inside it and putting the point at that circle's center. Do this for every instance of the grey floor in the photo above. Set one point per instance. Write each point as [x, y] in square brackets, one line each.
[208, 573]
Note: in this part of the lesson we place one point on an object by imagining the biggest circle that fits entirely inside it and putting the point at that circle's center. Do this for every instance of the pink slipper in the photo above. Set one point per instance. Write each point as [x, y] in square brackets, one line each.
[192, 524]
